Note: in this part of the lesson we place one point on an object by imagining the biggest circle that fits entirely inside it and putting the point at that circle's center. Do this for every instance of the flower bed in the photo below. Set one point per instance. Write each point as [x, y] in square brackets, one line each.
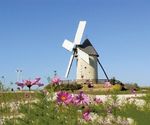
[50, 107]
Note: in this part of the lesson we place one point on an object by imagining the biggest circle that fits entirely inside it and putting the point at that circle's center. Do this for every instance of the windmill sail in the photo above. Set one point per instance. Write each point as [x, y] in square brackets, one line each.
[79, 32]
[69, 65]
[68, 45]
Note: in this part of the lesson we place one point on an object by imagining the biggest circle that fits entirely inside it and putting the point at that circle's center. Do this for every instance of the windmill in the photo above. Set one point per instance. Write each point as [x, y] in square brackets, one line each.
[86, 57]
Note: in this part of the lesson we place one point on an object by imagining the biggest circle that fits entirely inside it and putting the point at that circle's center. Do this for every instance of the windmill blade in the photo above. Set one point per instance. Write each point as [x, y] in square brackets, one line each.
[103, 70]
[68, 45]
[69, 65]
[83, 56]
[79, 32]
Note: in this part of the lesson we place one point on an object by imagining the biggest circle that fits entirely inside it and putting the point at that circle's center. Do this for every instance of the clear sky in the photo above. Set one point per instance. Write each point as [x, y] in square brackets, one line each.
[32, 33]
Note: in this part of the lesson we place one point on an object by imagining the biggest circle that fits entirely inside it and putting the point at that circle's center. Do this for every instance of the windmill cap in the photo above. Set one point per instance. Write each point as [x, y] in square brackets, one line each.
[88, 48]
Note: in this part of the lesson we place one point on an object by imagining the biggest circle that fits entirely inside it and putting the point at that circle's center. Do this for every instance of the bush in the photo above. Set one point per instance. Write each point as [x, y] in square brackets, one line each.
[66, 87]
[116, 87]
[115, 81]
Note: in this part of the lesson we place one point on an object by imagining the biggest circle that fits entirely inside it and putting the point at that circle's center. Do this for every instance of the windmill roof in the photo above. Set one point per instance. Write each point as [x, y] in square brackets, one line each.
[88, 48]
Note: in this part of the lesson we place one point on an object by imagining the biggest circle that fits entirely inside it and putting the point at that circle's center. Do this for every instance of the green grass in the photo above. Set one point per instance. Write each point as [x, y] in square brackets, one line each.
[140, 115]
[15, 96]
[100, 92]
[47, 112]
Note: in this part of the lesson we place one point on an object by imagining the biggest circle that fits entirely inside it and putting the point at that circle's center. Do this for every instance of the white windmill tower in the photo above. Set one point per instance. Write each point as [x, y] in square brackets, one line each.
[86, 56]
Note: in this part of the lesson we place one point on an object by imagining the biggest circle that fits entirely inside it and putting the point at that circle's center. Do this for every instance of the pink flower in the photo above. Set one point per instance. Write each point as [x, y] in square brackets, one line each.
[40, 84]
[56, 80]
[98, 100]
[133, 91]
[36, 80]
[81, 99]
[86, 115]
[20, 84]
[107, 85]
[30, 83]
[64, 97]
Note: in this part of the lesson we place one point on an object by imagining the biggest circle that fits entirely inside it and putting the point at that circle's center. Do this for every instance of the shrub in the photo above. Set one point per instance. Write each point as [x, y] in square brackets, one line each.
[115, 81]
[66, 87]
[116, 87]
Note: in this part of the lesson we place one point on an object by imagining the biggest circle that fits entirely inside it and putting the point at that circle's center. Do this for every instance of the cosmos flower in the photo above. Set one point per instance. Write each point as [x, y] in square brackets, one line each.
[81, 99]
[97, 100]
[133, 91]
[56, 80]
[86, 115]
[20, 84]
[107, 85]
[40, 84]
[64, 97]
[36, 80]
[30, 83]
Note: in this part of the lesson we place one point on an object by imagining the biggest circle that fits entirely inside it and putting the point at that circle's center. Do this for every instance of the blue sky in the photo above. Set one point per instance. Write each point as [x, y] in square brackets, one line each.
[32, 33]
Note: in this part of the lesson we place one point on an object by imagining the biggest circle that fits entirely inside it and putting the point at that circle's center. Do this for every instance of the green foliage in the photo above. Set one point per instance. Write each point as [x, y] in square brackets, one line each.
[115, 81]
[140, 115]
[116, 88]
[146, 98]
[65, 87]
[14, 96]
[46, 112]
